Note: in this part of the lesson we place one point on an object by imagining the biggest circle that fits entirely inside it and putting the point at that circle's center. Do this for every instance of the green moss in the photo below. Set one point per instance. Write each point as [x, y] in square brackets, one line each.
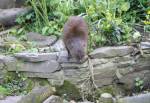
[30, 85]
[68, 91]
[15, 83]
[33, 82]
[106, 89]
[4, 91]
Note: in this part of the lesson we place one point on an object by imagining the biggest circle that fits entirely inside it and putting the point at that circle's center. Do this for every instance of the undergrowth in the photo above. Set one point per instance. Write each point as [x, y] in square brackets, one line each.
[110, 21]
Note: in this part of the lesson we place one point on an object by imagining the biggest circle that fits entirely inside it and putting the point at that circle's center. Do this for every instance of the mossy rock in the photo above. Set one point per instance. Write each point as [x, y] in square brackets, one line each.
[38, 94]
[33, 82]
[68, 91]
[111, 89]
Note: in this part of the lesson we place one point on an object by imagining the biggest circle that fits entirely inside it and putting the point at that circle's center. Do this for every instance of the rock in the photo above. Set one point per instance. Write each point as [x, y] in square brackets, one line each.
[11, 38]
[142, 63]
[105, 71]
[146, 51]
[2, 76]
[44, 50]
[63, 57]
[6, 59]
[75, 73]
[1, 43]
[9, 62]
[104, 82]
[58, 46]
[2, 96]
[76, 76]
[1, 66]
[8, 16]
[12, 64]
[65, 101]
[74, 65]
[97, 62]
[40, 67]
[36, 57]
[106, 98]
[145, 45]
[53, 99]
[125, 64]
[129, 79]
[142, 98]
[108, 52]
[5, 4]
[122, 59]
[40, 40]
[11, 99]
[106, 95]
[38, 95]
[57, 79]
[19, 3]
[54, 76]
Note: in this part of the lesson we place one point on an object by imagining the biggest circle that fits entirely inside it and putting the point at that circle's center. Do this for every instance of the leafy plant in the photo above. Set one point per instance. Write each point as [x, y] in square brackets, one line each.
[147, 21]
[109, 20]
[14, 84]
[139, 84]
[13, 47]
[107, 26]
[137, 10]
[4, 90]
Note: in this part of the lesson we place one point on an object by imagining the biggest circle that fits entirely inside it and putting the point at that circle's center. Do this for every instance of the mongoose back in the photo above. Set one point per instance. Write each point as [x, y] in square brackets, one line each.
[75, 37]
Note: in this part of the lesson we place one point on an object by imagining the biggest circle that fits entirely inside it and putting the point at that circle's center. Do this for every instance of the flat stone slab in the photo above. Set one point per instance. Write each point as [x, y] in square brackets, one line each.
[12, 64]
[8, 16]
[145, 45]
[40, 40]
[58, 46]
[55, 76]
[40, 67]
[36, 57]
[53, 99]
[142, 98]
[108, 52]
[6, 59]
[11, 99]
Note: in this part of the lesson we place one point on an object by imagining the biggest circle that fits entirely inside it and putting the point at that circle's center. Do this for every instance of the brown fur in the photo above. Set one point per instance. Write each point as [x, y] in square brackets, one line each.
[76, 37]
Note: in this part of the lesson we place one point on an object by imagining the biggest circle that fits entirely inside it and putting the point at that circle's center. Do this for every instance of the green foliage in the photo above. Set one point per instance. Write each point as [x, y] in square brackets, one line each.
[136, 13]
[12, 47]
[15, 47]
[139, 84]
[4, 91]
[109, 21]
[147, 21]
[107, 26]
[14, 84]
